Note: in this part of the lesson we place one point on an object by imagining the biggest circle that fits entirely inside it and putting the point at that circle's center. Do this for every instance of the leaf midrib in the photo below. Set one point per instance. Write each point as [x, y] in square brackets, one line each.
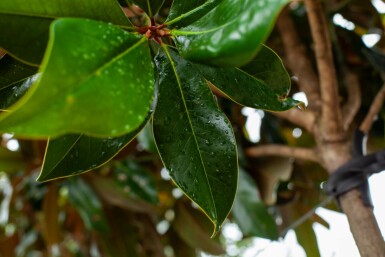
[91, 75]
[186, 33]
[191, 126]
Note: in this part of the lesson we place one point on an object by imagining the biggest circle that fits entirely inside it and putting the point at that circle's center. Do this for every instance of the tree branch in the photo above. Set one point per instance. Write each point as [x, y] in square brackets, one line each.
[304, 119]
[298, 60]
[353, 103]
[331, 112]
[283, 150]
[375, 108]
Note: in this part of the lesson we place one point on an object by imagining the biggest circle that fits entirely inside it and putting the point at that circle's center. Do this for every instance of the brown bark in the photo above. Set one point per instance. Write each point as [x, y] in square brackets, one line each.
[332, 129]
[330, 132]
[283, 150]
[298, 61]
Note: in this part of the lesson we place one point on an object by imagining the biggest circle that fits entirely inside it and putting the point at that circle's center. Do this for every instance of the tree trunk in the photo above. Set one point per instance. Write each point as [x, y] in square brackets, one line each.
[329, 127]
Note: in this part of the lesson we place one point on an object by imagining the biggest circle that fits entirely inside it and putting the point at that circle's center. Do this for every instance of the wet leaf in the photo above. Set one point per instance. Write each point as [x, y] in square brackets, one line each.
[25, 24]
[15, 80]
[183, 13]
[77, 76]
[73, 154]
[230, 34]
[250, 212]
[194, 137]
[266, 87]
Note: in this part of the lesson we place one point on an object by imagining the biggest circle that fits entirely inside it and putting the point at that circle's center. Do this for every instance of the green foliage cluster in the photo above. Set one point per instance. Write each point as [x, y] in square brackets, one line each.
[143, 92]
[102, 77]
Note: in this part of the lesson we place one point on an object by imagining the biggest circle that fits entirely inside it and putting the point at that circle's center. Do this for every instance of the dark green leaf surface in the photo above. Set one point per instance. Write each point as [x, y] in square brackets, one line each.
[136, 181]
[25, 24]
[229, 35]
[93, 89]
[268, 67]
[87, 203]
[183, 13]
[15, 79]
[249, 211]
[194, 137]
[151, 7]
[266, 88]
[73, 154]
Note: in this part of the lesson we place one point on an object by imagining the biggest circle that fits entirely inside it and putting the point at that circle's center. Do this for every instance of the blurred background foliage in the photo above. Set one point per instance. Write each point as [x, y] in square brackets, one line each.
[130, 205]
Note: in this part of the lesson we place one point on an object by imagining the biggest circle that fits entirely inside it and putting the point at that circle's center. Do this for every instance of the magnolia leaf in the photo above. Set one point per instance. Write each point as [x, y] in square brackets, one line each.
[266, 87]
[194, 138]
[25, 24]
[230, 34]
[73, 154]
[93, 89]
[15, 80]
[183, 13]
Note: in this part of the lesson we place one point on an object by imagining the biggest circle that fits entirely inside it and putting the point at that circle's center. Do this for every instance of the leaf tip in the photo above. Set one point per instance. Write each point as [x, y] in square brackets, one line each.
[217, 229]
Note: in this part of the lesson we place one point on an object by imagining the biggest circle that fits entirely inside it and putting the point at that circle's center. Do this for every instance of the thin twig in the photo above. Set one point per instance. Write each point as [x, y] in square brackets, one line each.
[284, 151]
[376, 106]
[353, 103]
[304, 119]
[331, 111]
[298, 61]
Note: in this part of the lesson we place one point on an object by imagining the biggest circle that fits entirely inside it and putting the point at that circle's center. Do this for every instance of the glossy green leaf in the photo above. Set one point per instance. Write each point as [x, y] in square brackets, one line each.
[73, 154]
[25, 24]
[266, 87]
[93, 89]
[183, 13]
[87, 203]
[15, 80]
[267, 67]
[250, 212]
[194, 138]
[229, 35]
[151, 7]
[136, 181]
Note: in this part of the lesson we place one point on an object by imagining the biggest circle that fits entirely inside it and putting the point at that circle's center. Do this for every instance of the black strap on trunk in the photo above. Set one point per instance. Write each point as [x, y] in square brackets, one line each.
[355, 173]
